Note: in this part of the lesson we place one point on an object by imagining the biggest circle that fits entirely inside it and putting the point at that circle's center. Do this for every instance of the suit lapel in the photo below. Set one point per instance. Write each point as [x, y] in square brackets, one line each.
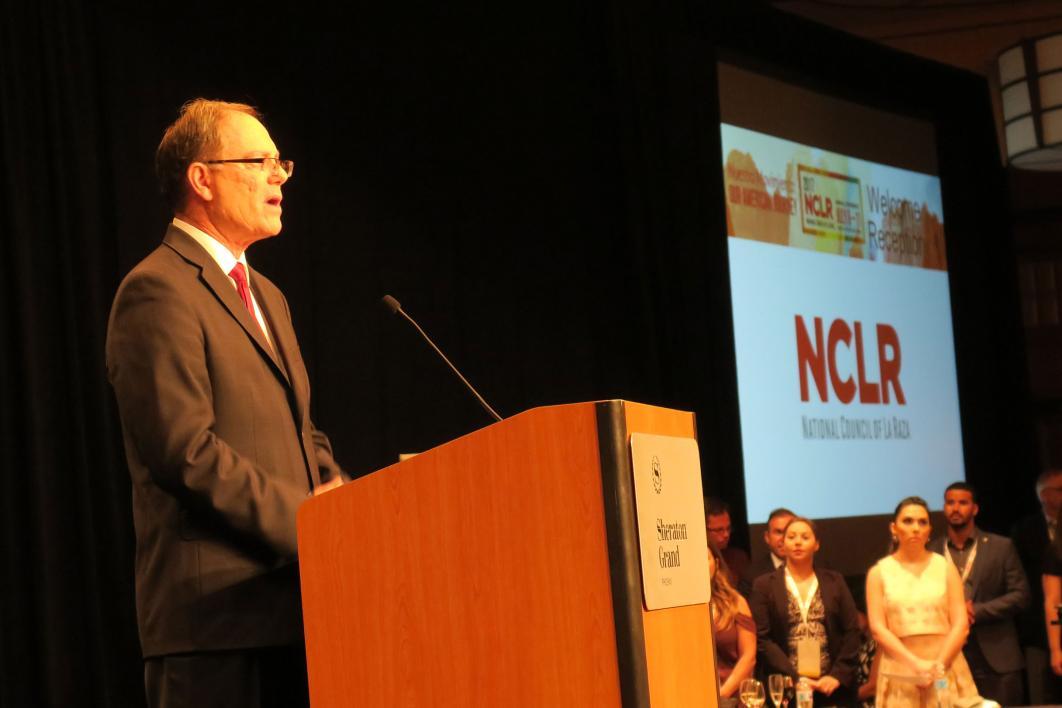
[781, 592]
[825, 589]
[283, 338]
[979, 562]
[219, 283]
[982, 547]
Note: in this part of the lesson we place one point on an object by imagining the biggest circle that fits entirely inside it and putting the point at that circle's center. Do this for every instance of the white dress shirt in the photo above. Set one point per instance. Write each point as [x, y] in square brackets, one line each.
[224, 258]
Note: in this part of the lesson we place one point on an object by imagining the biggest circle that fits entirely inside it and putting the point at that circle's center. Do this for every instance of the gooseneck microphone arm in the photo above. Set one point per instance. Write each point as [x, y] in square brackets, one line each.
[394, 306]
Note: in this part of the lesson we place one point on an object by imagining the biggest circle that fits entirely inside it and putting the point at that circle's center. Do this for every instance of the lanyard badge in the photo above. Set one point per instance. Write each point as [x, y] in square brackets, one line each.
[809, 652]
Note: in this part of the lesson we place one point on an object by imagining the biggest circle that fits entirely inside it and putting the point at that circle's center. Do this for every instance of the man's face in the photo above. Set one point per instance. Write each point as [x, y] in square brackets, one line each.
[719, 530]
[774, 536]
[246, 204]
[959, 508]
[1051, 496]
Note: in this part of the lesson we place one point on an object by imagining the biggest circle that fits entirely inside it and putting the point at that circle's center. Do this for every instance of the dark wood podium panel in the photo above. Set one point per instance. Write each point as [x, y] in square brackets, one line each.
[481, 573]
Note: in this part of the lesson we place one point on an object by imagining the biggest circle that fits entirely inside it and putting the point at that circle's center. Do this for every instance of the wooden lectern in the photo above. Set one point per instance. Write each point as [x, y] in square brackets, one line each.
[499, 569]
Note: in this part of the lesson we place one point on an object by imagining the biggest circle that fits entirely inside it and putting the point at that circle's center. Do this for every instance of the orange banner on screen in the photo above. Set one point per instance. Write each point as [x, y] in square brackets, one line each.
[794, 195]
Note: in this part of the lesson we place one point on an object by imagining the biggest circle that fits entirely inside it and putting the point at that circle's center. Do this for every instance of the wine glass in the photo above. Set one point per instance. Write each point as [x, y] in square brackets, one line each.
[751, 693]
[788, 691]
[776, 684]
[745, 690]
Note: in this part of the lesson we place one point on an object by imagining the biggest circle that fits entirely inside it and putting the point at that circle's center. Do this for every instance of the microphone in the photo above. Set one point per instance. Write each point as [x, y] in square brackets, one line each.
[396, 308]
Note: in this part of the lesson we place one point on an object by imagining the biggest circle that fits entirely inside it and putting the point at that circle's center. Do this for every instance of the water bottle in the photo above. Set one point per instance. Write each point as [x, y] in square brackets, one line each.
[940, 688]
[804, 694]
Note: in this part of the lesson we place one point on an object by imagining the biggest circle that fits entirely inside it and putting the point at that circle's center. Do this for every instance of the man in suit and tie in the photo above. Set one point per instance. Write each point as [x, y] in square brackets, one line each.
[996, 591]
[1031, 536]
[774, 539]
[717, 523]
[214, 401]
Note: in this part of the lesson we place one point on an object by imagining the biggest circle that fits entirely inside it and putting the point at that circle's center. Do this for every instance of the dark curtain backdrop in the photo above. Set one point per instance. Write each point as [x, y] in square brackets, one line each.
[68, 635]
[539, 185]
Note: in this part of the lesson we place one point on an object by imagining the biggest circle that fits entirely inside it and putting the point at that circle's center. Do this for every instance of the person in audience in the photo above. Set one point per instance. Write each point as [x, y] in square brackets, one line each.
[868, 659]
[995, 589]
[917, 614]
[735, 632]
[774, 537]
[1031, 536]
[717, 522]
[1051, 581]
[806, 620]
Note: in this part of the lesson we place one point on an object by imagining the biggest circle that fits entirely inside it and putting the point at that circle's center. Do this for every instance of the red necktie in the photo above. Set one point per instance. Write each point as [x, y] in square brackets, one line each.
[237, 273]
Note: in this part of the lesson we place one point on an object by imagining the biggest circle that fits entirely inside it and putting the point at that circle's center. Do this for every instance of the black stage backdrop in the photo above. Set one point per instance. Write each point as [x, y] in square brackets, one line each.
[540, 185]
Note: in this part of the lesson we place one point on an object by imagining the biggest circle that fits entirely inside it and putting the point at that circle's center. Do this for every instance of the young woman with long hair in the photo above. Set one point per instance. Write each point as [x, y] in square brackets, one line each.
[735, 632]
[917, 612]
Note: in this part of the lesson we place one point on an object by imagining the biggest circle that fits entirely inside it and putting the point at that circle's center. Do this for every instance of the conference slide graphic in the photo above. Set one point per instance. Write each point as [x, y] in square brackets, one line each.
[842, 327]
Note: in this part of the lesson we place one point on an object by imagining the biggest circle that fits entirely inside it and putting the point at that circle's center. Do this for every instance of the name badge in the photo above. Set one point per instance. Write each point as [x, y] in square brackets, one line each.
[809, 657]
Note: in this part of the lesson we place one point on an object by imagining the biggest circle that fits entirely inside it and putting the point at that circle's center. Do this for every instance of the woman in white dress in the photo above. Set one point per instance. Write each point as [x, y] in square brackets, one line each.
[917, 613]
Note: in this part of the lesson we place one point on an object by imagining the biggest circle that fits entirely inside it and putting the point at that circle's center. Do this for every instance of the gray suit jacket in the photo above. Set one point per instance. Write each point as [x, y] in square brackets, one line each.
[999, 591]
[220, 449]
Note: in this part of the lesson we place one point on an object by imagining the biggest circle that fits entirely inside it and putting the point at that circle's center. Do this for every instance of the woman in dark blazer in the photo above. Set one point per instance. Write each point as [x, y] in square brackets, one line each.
[806, 621]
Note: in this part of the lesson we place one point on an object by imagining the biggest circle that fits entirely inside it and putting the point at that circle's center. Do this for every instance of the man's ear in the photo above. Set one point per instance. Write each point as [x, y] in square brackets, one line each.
[200, 181]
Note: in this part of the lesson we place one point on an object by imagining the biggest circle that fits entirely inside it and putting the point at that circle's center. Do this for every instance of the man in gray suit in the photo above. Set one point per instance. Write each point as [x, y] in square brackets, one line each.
[996, 591]
[214, 401]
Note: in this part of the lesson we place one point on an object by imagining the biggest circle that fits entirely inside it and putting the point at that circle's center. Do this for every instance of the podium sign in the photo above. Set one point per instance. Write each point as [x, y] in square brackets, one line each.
[671, 531]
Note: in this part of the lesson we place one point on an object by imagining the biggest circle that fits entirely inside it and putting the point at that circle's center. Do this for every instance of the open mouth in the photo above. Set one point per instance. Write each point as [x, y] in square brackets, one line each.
[274, 201]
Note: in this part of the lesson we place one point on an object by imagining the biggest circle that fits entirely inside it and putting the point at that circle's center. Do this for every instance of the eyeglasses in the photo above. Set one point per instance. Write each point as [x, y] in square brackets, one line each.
[266, 164]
